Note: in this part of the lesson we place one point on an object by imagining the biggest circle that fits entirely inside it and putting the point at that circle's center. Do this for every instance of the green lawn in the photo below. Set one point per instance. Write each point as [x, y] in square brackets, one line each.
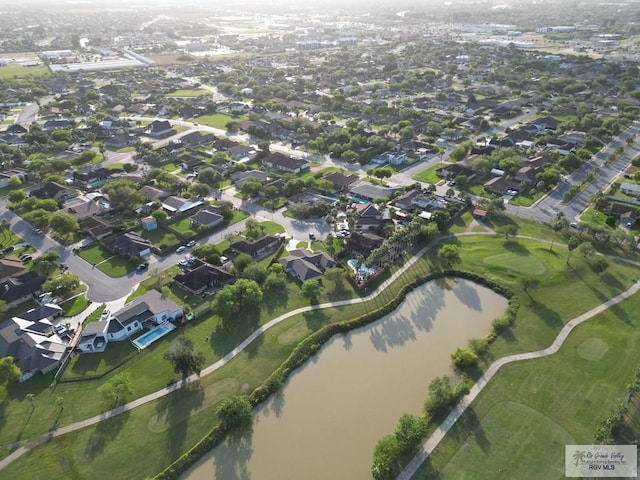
[189, 93]
[75, 305]
[591, 216]
[8, 238]
[160, 237]
[428, 175]
[113, 265]
[218, 120]
[139, 443]
[526, 199]
[15, 70]
[184, 227]
[519, 424]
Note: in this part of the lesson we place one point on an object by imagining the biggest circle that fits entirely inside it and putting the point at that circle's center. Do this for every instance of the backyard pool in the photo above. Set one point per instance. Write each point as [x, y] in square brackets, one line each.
[363, 270]
[151, 336]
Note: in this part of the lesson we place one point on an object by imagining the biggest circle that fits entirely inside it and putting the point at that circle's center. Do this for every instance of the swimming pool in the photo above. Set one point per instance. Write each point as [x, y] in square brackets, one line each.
[151, 336]
[363, 268]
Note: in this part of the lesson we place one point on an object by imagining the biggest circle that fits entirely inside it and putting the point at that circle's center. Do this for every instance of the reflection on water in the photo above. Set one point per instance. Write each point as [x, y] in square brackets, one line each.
[325, 422]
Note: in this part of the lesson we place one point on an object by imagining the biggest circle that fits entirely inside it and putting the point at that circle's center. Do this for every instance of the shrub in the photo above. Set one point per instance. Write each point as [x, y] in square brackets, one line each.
[500, 324]
[464, 358]
[479, 346]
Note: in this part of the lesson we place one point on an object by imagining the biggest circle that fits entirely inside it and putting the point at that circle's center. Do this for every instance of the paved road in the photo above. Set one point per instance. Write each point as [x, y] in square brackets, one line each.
[28, 114]
[437, 436]
[550, 205]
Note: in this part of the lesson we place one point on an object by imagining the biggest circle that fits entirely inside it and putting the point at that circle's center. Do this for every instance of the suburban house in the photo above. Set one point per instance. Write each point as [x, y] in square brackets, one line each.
[160, 129]
[239, 178]
[339, 180]
[129, 245]
[151, 194]
[86, 205]
[20, 173]
[284, 163]
[363, 243]
[96, 177]
[32, 343]
[147, 310]
[500, 185]
[189, 162]
[630, 189]
[13, 140]
[16, 129]
[180, 205]
[202, 276]
[55, 191]
[257, 248]
[305, 265]
[368, 216]
[241, 151]
[452, 170]
[196, 139]
[96, 227]
[10, 267]
[206, 218]
[120, 140]
[19, 288]
[370, 192]
[58, 124]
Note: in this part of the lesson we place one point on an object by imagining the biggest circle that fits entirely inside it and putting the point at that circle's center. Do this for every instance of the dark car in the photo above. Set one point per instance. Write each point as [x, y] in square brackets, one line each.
[142, 266]
[26, 258]
[64, 267]
[8, 249]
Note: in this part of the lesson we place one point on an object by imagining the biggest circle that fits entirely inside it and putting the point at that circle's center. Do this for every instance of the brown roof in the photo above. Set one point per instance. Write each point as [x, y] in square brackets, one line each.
[340, 179]
[10, 267]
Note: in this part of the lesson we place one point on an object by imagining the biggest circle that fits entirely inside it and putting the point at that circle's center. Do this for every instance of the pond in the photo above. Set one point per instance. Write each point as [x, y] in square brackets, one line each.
[329, 415]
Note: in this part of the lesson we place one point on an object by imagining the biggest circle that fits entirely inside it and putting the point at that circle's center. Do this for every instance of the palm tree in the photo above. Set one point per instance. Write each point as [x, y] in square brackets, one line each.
[60, 402]
[30, 397]
[560, 224]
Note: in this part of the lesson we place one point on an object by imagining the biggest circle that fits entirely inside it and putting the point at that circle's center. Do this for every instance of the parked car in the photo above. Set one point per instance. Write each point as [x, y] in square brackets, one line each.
[142, 266]
[191, 243]
[105, 314]
[25, 258]
[312, 236]
[8, 249]
[39, 232]
[181, 249]
[64, 267]
[60, 330]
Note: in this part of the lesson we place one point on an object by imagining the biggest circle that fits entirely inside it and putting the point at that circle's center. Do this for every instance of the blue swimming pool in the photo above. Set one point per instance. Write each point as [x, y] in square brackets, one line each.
[363, 268]
[148, 338]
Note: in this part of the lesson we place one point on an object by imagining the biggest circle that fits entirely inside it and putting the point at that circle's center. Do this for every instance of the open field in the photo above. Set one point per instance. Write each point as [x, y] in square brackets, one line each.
[218, 120]
[113, 265]
[428, 175]
[15, 70]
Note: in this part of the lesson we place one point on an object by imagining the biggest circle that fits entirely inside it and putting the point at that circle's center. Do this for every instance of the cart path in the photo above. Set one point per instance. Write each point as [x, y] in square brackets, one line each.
[436, 437]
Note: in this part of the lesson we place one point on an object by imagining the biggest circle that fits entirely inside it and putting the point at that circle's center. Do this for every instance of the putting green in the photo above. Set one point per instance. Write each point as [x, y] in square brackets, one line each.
[516, 442]
[593, 349]
[523, 264]
[180, 405]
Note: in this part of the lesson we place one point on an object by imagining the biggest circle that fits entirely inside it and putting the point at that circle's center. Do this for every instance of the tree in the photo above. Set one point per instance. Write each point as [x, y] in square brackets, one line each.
[335, 275]
[45, 264]
[60, 402]
[241, 295]
[242, 261]
[62, 285]
[599, 265]
[440, 395]
[251, 187]
[210, 176]
[160, 215]
[560, 224]
[9, 371]
[410, 430]
[184, 359]
[529, 281]
[14, 183]
[572, 244]
[385, 458]
[311, 290]
[209, 252]
[256, 272]
[5, 226]
[275, 283]
[449, 255]
[117, 388]
[510, 230]
[586, 249]
[16, 196]
[235, 411]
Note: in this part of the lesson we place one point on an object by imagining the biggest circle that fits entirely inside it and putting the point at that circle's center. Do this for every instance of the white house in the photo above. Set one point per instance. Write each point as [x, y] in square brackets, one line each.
[147, 310]
[630, 189]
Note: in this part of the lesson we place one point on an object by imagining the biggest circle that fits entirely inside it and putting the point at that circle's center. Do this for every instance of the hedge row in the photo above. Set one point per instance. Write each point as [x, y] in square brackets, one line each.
[307, 349]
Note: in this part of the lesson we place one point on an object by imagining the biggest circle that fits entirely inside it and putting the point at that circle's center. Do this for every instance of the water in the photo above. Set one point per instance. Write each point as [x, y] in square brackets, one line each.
[325, 422]
[151, 336]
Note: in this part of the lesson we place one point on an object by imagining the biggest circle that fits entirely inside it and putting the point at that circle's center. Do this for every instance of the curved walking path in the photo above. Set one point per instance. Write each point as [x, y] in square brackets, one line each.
[437, 436]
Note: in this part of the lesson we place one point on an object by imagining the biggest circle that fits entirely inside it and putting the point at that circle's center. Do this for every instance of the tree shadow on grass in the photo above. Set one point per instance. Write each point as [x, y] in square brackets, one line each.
[174, 410]
[469, 428]
[275, 300]
[550, 317]
[234, 330]
[104, 433]
[316, 319]
[515, 247]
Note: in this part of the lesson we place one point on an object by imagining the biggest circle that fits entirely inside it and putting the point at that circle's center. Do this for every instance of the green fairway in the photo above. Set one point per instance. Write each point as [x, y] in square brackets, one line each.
[519, 262]
[15, 70]
[506, 446]
[189, 93]
[560, 400]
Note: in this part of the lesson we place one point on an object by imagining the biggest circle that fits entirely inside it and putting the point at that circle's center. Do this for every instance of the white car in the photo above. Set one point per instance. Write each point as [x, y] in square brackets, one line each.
[181, 249]
[105, 314]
